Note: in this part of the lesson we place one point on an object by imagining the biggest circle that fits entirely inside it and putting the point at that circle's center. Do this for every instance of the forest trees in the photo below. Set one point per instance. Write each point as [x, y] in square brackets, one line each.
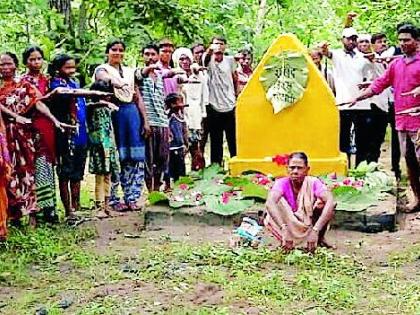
[82, 27]
[63, 7]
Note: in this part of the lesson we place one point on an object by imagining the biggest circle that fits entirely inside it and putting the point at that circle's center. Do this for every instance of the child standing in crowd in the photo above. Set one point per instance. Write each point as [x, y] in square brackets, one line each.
[33, 58]
[195, 92]
[179, 137]
[72, 144]
[103, 154]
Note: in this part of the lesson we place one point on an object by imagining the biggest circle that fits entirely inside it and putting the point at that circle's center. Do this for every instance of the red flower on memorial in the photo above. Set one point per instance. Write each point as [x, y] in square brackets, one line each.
[347, 182]
[358, 184]
[261, 179]
[281, 159]
[183, 187]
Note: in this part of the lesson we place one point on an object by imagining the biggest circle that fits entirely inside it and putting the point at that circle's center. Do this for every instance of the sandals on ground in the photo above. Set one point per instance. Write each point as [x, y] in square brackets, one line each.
[74, 220]
[119, 207]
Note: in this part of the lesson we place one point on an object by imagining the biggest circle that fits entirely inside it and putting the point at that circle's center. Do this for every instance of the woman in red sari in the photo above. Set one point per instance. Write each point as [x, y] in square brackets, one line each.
[4, 177]
[33, 58]
[19, 102]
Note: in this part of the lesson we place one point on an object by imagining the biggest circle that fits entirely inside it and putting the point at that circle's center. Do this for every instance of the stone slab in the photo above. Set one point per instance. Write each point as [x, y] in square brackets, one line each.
[381, 217]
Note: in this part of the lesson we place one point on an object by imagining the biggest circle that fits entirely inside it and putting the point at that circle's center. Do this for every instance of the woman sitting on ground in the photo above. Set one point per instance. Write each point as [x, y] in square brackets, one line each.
[299, 207]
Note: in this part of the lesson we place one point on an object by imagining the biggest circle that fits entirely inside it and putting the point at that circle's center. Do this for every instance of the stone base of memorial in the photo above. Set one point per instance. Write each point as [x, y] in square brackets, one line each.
[378, 218]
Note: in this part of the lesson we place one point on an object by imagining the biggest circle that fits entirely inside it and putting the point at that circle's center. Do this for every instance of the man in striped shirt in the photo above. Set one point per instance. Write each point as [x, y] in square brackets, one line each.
[150, 82]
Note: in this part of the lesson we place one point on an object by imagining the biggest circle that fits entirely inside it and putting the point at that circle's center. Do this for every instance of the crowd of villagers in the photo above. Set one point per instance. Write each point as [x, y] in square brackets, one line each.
[132, 126]
[136, 126]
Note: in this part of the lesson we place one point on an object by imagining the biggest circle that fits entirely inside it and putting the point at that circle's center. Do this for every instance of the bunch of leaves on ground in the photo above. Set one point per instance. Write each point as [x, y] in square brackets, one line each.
[222, 194]
[366, 186]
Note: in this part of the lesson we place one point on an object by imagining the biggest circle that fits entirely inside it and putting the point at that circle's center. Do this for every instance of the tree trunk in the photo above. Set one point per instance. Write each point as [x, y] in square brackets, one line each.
[260, 17]
[82, 19]
[64, 7]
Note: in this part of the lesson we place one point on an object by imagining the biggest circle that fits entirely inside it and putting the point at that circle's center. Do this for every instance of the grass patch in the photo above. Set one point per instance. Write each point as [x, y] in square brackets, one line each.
[410, 255]
[272, 282]
[41, 249]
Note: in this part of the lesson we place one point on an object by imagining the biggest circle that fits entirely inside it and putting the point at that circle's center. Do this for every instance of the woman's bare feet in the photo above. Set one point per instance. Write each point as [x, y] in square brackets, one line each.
[324, 243]
[411, 208]
[101, 212]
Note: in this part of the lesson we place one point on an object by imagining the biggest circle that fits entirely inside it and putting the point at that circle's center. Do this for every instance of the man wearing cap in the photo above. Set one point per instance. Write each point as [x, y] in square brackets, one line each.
[349, 69]
[363, 44]
[222, 98]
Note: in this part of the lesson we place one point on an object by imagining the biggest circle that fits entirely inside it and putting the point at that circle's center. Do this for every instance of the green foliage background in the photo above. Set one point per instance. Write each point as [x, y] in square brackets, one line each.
[94, 22]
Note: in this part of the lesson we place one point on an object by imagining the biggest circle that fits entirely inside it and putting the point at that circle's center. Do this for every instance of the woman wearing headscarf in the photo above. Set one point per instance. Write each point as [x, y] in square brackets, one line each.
[195, 92]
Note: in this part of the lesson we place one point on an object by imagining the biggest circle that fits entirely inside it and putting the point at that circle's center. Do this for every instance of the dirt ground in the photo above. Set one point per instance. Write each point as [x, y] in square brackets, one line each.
[374, 247]
[125, 236]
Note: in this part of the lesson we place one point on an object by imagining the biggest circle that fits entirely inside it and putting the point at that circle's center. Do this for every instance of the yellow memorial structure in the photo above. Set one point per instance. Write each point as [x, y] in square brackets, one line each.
[287, 106]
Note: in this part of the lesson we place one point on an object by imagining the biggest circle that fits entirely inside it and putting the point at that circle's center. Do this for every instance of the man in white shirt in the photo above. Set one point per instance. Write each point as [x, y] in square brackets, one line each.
[349, 69]
[380, 46]
[378, 117]
[198, 50]
[222, 83]
[385, 54]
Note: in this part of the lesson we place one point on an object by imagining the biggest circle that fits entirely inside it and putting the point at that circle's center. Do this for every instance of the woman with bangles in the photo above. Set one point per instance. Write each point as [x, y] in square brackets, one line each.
[33, 58]
[19, 103]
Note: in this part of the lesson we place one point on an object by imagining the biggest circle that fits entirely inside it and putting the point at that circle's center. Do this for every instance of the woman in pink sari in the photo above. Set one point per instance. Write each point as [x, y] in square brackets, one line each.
[299, 207]
[18, 103]
[4, 178]
[45, 145]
